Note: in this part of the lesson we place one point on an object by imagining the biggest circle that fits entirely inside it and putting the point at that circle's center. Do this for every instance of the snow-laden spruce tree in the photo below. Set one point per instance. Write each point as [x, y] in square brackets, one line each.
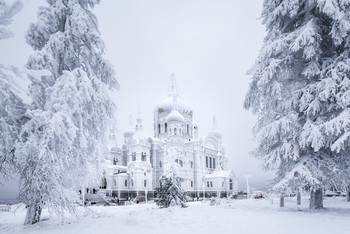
[62, 144]
[300, 90]
[12, 108]
[170, 192]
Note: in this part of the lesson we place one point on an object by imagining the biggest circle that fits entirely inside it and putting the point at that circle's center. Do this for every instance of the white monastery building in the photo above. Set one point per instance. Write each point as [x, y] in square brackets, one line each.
[135, 169]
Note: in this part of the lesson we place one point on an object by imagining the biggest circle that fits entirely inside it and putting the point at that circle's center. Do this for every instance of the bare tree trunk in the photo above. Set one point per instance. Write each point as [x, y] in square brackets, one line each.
[298, 198]
[316, 199]
[282, 200]
[33, 214]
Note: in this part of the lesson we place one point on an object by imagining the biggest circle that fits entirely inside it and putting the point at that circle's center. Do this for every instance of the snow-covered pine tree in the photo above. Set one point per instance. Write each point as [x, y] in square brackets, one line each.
[170, 192]
[62, 144]
[300, 90]
[12, 108]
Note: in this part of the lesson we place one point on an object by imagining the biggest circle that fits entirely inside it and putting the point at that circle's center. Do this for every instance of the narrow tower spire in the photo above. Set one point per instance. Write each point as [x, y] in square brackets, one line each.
[139, 126]
[215, 124]
[130, 121]
[172, 88]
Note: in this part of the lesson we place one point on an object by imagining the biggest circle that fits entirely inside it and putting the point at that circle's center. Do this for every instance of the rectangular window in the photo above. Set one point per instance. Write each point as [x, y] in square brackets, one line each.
[191, 184]
[144, 183]
[206, 162]
[191, 164]
[214, 163]
[126, 183]
[133, 156]
[160, 163]
[210, 162]
[143, 156]
[208, 184]
[211, 184]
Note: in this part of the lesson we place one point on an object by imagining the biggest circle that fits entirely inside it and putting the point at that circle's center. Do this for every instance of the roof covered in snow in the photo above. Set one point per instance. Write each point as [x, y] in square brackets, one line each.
[174, 116]
[219, 174]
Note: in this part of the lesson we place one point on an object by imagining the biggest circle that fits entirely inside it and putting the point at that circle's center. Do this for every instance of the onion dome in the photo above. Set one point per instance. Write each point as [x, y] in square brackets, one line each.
[216, 134]
[167, 105]
[174, 116]
[129, 132]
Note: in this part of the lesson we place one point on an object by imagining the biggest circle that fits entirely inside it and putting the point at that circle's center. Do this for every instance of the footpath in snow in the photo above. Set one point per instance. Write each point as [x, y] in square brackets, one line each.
[231, 216]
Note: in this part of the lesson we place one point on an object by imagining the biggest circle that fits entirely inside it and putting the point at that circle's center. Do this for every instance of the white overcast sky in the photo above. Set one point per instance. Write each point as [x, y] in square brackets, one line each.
[208, 44]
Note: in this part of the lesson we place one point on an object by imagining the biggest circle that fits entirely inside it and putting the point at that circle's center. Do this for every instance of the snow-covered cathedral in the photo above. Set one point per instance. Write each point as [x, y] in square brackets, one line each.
[135, 169]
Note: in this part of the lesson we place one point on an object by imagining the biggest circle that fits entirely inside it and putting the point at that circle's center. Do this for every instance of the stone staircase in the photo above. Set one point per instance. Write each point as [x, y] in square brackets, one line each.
[96, 199]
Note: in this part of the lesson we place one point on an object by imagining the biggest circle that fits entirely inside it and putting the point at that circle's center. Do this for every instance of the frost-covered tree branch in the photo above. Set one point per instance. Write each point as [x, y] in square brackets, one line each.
[12, 106]
[6, 13]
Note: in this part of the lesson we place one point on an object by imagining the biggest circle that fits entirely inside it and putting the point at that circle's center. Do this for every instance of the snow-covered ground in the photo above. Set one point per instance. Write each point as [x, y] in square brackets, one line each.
[231, 216]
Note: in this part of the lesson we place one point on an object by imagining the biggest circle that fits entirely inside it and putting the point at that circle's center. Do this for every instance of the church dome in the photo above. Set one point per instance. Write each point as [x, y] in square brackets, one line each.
[174, 116]
[168, 103]
[129, 133]
[173, 100]
[217, 134]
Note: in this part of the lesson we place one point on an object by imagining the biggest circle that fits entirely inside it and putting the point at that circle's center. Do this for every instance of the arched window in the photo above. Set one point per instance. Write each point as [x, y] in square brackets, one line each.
[143, 156]
[178, 161]
[133, 156]
[104, 183]
[175, 131]
[166, 127]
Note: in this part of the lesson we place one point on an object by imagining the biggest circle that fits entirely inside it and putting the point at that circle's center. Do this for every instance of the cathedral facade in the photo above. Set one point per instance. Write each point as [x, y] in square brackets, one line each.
[134, 170]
